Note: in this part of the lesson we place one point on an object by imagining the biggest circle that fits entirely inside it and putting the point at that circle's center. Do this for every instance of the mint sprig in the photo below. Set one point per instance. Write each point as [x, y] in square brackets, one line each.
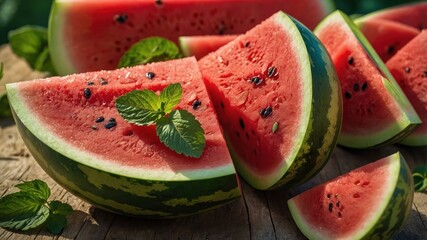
[152, 49]
[177, 129]
[420, 178]
[29, 208]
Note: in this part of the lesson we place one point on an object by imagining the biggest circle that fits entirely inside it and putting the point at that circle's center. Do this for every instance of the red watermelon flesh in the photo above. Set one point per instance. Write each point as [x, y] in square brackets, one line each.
[414, 14]
[60, 104]
[409, 67]
[387, 37]
[200, 46]
[374, 108]
[93, 35]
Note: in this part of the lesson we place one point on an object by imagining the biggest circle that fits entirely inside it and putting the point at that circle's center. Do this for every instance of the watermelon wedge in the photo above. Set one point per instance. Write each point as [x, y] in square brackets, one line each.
[414, 14]
[375, 110]
[386, 37]
[93, 34]
[200, 46]
[73, 130]
[371, 202]
[265, 86]
[409, 67]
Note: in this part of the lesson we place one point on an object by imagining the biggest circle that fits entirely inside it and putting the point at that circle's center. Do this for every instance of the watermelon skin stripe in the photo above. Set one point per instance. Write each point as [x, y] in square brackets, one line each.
[326, 116]
[130, 196]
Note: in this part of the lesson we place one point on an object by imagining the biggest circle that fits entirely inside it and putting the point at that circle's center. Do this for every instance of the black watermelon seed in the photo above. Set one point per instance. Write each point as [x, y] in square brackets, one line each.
[330, 206]
[407, 70]
[347, 95]
[356, 87]
[242, 124]
[364, 86]
[265, 112]
[222, 104]
[272, 71]
[247, 44]
[100, 119]
[338, 203]
[87, 93]
[90, 83]
[390, 49]
[247, 135]
[196, 104]
[336, 195]
[121, 18]
[150, 75]
[110, 125]
[425, 73]
[350, 60]
[256, 80]
[104, 81]
[328, 195]
[159, 2]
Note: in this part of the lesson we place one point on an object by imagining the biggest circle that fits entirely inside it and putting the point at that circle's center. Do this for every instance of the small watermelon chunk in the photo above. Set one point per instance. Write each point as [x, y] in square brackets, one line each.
[200, 46]
[265, 86]
[414, 14]
[92, 35]
[386, 36]
[371, 202]
[73, 130]
[409, 67]
[375, 110]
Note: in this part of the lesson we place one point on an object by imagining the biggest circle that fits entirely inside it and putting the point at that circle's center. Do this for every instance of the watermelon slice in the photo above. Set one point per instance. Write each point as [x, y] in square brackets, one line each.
[386, 36]
[93, 34]
[414, 14]
[73, 130]
[200, 46]
[375, 110]
[371, 202]
[409, 67]
[265, 86]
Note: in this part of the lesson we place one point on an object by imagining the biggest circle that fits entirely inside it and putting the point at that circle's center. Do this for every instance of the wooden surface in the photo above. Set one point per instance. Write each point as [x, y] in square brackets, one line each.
[257, 215]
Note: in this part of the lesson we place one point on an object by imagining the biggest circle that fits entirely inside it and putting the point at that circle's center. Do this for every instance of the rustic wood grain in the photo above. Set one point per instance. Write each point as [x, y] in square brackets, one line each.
[257, 215]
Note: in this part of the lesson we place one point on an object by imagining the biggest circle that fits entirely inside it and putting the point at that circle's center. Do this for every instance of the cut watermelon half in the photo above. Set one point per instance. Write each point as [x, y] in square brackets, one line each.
[200, 46]
[386, 37]
[371, 202]
[73, 130]
[93, 34]
[265, 86]
[375, 110]
[409, 67]
[414, 14]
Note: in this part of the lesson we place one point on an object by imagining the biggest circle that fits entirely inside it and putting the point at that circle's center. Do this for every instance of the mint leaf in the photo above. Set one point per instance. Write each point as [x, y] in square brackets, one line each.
[181, 132]
[420, 178]
[57, 207]
[35, 188]
[140, 107]
[21, 211]
[30, 43]
[152, 49]
[56, 222]
[171, 96]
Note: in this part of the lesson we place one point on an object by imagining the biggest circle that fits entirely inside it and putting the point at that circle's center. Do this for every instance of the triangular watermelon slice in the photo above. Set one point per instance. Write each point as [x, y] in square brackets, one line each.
[375, 110]
[73, 129]
[371, 202]
[409, 67]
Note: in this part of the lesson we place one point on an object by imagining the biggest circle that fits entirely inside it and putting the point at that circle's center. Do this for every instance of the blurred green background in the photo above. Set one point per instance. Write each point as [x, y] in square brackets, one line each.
[16, 13]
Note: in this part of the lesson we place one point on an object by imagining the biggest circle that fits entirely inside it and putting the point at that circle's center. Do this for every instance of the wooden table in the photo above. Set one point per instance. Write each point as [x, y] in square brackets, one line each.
[257, 215]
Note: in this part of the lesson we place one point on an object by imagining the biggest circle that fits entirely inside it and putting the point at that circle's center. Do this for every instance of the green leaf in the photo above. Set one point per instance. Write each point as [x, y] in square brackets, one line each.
[22, 211]
[30, 43]
[56, 222]
[171, 96]
[4, 107]
[57, 207]
[153, 49]
[181, 132]
[35, 188]
[140, 107]
[420, 178]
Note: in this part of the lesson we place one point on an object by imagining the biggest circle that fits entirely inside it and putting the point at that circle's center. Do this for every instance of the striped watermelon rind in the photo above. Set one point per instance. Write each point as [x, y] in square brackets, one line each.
[122, 189]
[391, 214]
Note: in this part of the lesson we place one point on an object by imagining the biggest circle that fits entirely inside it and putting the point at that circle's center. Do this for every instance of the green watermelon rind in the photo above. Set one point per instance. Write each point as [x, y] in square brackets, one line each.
[409, 119]
[60, 59]
[319, 128]
[390, 216]
[120, 189]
